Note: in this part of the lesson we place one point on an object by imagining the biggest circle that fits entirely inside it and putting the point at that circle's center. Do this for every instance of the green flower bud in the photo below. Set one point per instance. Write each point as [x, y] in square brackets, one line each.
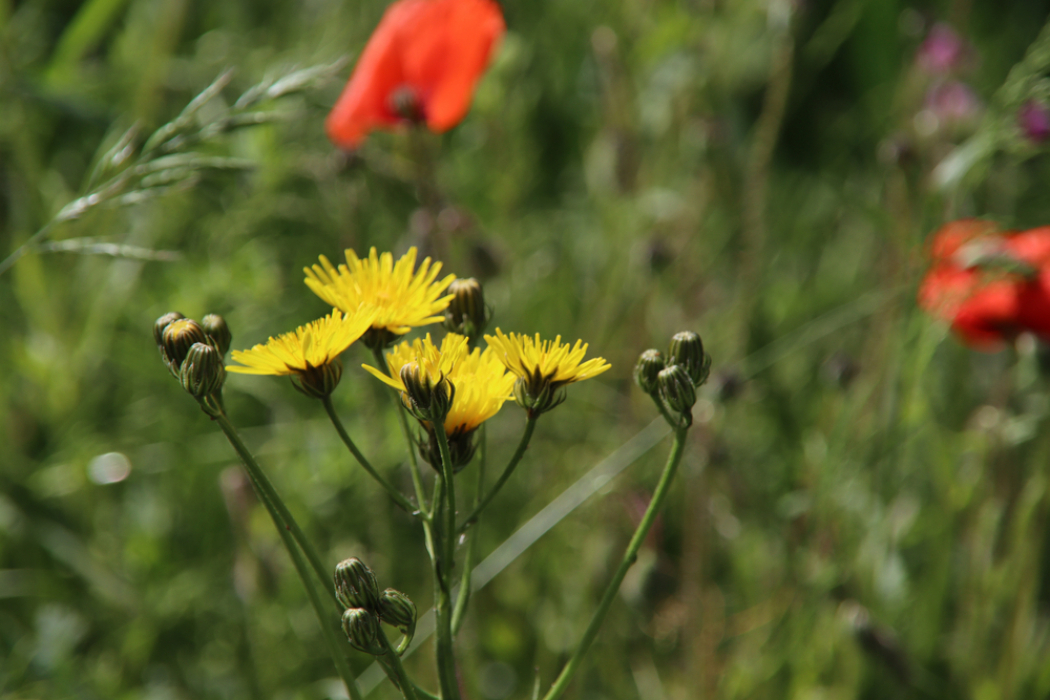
[537, 394]
[646, 370]
[687, 350]
[466, 312]
[355, 585]
[677, 390]
[319, 382]
[362, 629]
[202, 372]
[395, 608]
[161, 323]
[427, 400]
[176, 340]
[215, 328]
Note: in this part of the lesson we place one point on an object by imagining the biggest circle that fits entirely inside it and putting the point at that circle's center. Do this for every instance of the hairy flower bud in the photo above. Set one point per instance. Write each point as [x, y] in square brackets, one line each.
[677, 390]
[319, 382]
[202, 372]
[646, 370]
[428, 400]
[355, 585]
[466, 312]
[687, 350]
[362, 629]
[215, 328]
[176, 340]
[395, 608]
[161, 323]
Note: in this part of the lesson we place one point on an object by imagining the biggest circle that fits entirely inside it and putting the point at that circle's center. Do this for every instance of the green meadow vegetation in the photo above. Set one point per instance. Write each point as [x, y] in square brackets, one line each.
[862, 505]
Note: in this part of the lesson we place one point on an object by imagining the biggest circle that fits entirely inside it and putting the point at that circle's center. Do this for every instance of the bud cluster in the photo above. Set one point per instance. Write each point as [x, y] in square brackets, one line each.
[672, 381]
[193, 352]
[357, 591]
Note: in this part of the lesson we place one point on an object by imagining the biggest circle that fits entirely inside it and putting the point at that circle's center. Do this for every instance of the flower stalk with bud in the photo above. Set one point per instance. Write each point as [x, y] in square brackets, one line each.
[451, 388]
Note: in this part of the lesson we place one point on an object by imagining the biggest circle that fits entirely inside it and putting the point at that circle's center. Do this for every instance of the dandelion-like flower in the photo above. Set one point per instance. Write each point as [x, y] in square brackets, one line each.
[310, 354]
[480, 386]
[543, 367]
[481, 383]
[401, 295]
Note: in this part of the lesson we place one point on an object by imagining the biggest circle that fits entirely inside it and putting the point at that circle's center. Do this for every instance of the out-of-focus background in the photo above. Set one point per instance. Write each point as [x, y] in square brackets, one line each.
[862, 505]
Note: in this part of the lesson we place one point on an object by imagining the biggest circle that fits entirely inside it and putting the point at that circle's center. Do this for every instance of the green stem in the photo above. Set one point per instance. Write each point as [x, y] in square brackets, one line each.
[443, 571]
[460, 609]
[413, 462]
[269, 496]
[629, 557]
[398, 497]
[404, 683]
[285, 525]
[663, 410]
[530, 426]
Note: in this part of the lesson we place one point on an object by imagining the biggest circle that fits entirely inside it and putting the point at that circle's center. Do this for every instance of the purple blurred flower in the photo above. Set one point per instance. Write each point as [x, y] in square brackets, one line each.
[952, 101]
[943, 50]
[1034, 120]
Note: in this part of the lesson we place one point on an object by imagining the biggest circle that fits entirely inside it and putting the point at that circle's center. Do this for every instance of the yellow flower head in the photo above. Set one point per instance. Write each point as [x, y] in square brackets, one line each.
[481, 383]
[402, 296]
[311, 352]
[543, 367]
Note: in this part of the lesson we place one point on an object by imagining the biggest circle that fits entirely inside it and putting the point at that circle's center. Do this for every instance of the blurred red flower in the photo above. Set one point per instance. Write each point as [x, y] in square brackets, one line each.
[990, 285]
[421, 64]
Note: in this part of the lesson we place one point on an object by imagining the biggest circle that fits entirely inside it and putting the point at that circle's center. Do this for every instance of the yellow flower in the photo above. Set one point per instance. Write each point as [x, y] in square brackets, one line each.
[543, 367]
[554, 361]
[481, 383]
[402, 296]
[311, 353]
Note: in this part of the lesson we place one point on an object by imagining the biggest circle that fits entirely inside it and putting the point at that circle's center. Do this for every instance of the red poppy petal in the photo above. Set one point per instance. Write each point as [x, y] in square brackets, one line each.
[990, 315]
[365, 101]
[1031, 246]
[475, 27]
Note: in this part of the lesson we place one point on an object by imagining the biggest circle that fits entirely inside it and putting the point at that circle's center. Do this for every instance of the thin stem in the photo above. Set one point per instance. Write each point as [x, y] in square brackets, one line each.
[530, 425]
[443, 571]
[413, 463]
[449, 531]
[629, 557]
[284, 523]
[404, 683]
[398, 497]
[655, 396]
[460, 609]
[269, 495]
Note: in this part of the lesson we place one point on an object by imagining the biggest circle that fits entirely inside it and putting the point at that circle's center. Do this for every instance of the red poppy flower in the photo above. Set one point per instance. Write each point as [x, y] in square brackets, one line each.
[421, 64]
[990, 285]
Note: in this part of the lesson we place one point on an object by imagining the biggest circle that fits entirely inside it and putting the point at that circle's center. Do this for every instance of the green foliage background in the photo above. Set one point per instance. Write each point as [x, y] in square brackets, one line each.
[862, 506]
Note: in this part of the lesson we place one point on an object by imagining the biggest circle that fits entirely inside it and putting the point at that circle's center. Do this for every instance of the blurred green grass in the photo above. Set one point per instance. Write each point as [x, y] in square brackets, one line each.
[856, 476]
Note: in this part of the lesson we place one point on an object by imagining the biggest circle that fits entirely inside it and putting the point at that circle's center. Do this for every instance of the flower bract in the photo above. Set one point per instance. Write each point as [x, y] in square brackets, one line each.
[401, 295]
[421, 64]
[481, 383]
[314, 345]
